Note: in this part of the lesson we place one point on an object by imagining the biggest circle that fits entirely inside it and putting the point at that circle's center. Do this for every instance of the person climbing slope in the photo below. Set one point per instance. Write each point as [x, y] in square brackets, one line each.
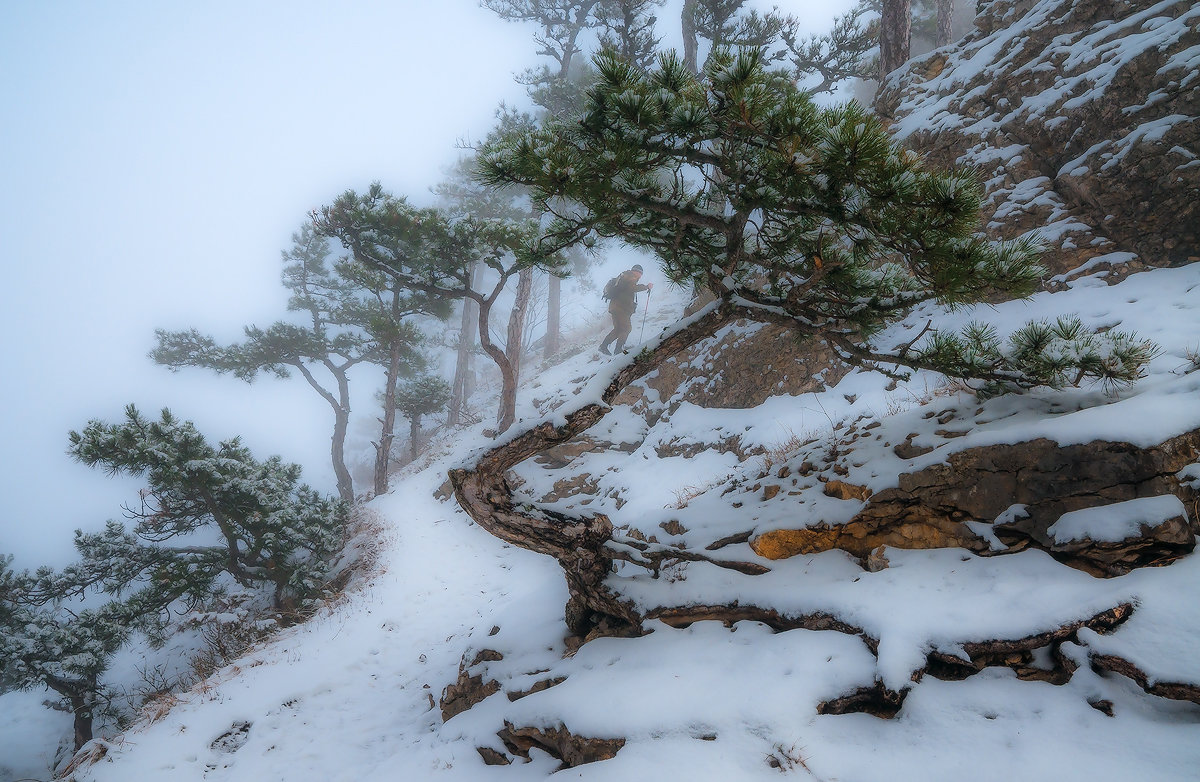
[621, 292]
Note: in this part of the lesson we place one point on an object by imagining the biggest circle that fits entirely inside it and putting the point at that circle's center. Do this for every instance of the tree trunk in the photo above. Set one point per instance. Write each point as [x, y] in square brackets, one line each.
[579, 544]
[945, 22]
[383, 451]
[553, 307]
[464, 368]
[82, 707]
[895, 34]
[514, 345]
[691, 44]
[507, 413]
[341, 423]
[414, 434]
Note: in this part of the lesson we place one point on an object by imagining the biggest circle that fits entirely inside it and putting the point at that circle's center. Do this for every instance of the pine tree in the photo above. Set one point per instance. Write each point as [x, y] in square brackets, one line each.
[945, 23]
[559, 90]
[272, 530]
[848, 51]
[66, 649]
[561, 24]
[419, 397]
[374, 227]
[353, 317]
[272, 533]
[789, 212]
[727, 23]
[628, 28]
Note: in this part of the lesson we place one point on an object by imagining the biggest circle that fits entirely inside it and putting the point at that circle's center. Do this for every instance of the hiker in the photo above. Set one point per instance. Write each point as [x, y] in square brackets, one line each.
[621, 292]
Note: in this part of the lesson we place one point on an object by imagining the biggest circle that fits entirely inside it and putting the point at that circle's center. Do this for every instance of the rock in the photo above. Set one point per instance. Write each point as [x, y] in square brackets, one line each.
[846, 491]
[558, 742]
[562, 455]
[1097, 153]
[877, 560]
[673, 527]
[932, 508]
[743, 367]
[1152, 537]
[469, 690]
[538, 686]
[906, 449]
[493, 758]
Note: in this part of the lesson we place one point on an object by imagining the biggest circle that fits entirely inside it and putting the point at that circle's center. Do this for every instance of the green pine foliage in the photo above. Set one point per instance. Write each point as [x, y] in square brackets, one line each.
[206, 511]
[421, 396]
[848, 51]
[351, 314]
[628, 28]
[211, 518]
[381, 232]
[67, 649]
[812, 216]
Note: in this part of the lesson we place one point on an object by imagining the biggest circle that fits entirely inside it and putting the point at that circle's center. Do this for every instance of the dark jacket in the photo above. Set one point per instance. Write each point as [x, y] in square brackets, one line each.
[624, 295]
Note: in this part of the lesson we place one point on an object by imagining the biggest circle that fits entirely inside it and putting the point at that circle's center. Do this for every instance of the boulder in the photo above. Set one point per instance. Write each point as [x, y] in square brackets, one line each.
[969, 501]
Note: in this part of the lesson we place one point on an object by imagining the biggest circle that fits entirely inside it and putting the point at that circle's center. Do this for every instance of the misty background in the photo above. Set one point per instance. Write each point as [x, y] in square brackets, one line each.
[155, 159]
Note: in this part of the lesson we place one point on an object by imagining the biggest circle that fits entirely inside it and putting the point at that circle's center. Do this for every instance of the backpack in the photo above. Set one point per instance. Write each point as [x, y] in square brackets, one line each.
[610, 288]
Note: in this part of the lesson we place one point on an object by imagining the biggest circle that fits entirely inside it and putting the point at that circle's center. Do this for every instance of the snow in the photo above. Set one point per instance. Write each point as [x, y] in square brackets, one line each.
[29, 735]
[352, 694]
[1117, 521]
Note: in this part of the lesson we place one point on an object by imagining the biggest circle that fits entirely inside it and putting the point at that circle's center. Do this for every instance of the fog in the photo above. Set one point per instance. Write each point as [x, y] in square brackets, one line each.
[156, 159]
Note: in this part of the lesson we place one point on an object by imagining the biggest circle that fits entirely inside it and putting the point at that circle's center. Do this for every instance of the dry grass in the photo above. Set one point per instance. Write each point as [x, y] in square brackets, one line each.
[157, 707]
[685, 494]
[786, 448]
[785, 759]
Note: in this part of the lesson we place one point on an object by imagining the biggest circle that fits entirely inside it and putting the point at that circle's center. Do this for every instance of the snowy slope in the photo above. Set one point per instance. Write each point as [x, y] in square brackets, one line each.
[353, 694]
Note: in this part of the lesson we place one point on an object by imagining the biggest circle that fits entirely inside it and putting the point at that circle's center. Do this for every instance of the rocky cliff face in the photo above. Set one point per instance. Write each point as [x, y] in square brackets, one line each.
[1081, 118]
[1082, 121]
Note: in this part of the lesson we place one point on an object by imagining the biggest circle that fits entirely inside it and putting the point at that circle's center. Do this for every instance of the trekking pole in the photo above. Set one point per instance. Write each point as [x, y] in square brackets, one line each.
[642, 333]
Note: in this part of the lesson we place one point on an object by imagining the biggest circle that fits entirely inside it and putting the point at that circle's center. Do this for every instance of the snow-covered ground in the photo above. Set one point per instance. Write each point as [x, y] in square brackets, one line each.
[353, 694]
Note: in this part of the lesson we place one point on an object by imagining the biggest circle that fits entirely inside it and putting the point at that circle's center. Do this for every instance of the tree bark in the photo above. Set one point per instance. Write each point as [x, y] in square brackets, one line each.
[945, 22]
[341, 422]
[895, 35]
[464, 368]
[514, 345]
[414, 434]
[82, 707]
[507, 413]
[553, 307]
[383, 452]
[387, 434]
[580, 545]
[81, 694]
[691, 44]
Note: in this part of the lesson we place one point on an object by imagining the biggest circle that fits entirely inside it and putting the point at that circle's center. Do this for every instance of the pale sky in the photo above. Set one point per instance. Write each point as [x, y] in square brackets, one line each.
[155, 158]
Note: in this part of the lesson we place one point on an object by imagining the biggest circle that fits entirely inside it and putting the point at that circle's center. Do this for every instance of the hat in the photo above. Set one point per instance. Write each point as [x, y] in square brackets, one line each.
[637, 267]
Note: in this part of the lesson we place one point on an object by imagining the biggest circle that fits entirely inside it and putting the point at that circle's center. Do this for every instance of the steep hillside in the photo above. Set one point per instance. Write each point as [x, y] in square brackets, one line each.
[825, 573]
[455, 655]
[1080, 116]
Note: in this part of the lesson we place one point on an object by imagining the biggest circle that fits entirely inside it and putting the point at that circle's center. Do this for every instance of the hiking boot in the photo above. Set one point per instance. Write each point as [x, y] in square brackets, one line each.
[604, 349]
